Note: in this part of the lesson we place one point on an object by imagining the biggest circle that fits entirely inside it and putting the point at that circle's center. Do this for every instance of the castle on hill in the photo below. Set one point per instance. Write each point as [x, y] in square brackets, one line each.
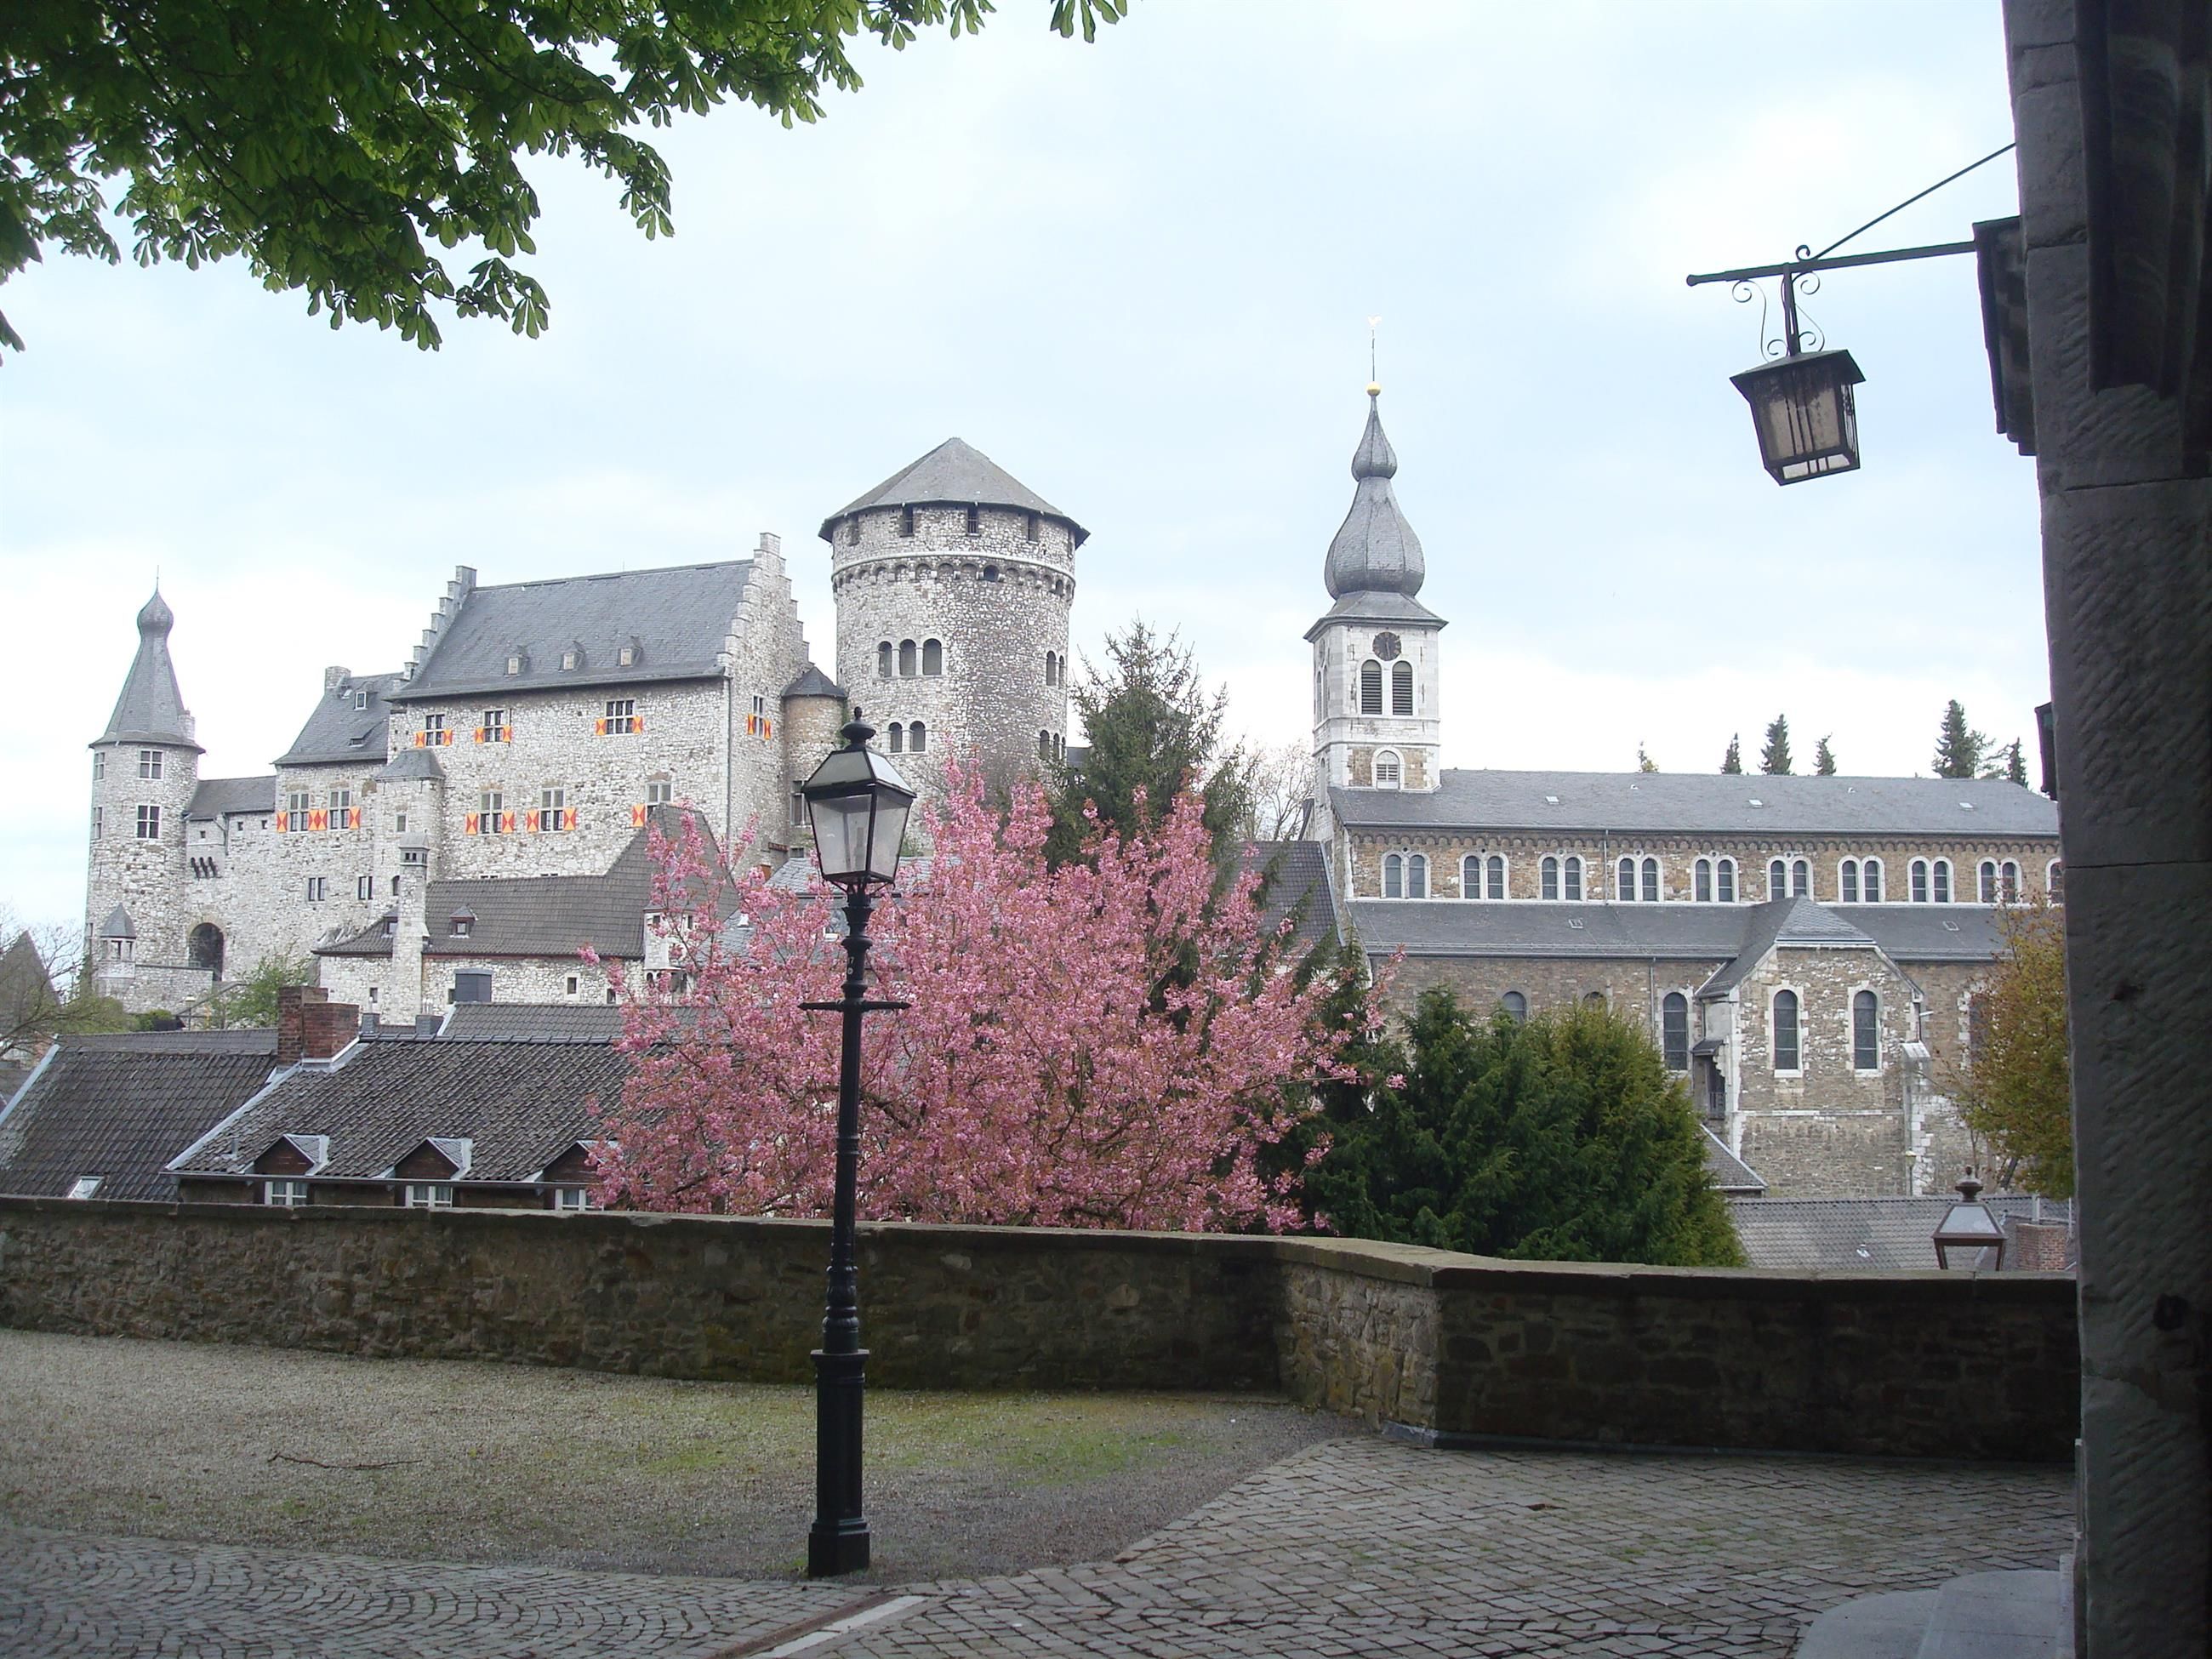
[1808, 953]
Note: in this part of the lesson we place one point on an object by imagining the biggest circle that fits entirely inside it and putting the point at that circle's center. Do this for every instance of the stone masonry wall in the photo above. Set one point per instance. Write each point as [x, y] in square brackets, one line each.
[1449, 1346]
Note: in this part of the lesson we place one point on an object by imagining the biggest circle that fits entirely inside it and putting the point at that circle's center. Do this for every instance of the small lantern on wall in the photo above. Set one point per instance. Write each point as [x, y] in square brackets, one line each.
[1805, 414]
[1967, 1230]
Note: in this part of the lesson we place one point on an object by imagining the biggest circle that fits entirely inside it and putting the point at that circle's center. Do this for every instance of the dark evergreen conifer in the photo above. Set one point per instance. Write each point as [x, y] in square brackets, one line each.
[1958, 747]
[1824, 760]
[1733, 761]
[1774, 759]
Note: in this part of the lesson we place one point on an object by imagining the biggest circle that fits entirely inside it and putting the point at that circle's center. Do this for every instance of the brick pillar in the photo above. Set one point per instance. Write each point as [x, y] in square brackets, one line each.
[2127, 550]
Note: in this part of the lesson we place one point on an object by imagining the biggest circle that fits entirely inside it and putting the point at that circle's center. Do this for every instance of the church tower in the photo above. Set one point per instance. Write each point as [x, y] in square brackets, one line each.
[953, 582]
[144, 767]
[1376, 703]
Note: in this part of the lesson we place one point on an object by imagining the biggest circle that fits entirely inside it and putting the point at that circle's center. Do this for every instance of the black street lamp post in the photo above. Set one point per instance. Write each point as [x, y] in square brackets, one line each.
[857, 807]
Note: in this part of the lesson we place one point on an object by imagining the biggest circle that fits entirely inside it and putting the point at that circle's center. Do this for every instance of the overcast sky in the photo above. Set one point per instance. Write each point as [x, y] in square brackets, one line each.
[1137, 274]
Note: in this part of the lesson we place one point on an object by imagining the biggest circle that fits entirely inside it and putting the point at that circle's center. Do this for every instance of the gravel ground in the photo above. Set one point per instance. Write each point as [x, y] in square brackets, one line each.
[460, 1461]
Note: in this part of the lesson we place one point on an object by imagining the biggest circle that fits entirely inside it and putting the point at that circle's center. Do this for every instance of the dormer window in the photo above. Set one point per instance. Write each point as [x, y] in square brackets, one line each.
[414, 857]
[461, 923]
[630, 655]
[360, 699]
[84, 1185]
[517, 661]
[573, 658]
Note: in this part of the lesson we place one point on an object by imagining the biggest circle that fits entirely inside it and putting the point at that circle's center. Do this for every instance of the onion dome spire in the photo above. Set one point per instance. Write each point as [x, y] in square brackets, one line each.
[151, 710]
[1375, 550]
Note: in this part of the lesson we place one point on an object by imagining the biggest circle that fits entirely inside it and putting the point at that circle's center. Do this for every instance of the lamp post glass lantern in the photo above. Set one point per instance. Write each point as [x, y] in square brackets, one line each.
[857, 806]
[1968, 1230]
[1805, 413]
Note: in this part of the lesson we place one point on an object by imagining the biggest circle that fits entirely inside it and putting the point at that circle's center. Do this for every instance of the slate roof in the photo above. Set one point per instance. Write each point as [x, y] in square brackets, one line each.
[150, 708]
[679, 617]
[1294, 877]
[121, 1107]
[1783, 921]
[813, 683]
[529, 1021]
[519, 1105]
[1857, 1234]
[1378, 607]
[953, 474]
[1730, 1174]
[1717, 933]
[539, 915]
[336, 731]
[1375, 550]
[216, 797]
[1712, 802]
[409, 764]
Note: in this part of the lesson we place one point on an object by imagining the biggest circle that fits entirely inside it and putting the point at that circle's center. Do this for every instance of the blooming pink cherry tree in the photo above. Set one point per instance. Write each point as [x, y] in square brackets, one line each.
[1110, 1043]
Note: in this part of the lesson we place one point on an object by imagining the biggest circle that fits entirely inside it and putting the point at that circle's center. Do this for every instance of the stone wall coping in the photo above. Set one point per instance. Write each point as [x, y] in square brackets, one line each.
[1404, 1264]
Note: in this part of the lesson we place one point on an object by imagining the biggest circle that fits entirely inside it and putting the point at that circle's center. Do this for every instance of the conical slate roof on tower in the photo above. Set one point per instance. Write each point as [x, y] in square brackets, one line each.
[954, 474]
[150, 709]
[1375, 550]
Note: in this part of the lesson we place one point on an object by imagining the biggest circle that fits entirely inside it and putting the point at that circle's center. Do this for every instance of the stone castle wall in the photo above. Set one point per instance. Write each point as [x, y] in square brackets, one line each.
[997, 602]
[145, 877]
[1446, 1347]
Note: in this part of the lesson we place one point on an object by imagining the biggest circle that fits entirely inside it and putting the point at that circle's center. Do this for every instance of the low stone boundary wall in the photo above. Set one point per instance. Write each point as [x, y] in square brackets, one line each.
[1449, 1346]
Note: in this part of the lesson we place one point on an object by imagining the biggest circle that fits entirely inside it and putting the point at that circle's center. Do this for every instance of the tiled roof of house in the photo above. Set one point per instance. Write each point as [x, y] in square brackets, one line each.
[678, 620]
[954, 474]
[517, 1104]
[336, 732]
[216, 797]
[1866, 1234]
[1294, 877]
[1628, 804]
[121, 1107]
[531, 1022]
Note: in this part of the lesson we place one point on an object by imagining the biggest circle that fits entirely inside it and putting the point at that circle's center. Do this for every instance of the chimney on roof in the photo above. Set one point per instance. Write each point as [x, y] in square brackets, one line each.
[310, 1026]
[335, 677]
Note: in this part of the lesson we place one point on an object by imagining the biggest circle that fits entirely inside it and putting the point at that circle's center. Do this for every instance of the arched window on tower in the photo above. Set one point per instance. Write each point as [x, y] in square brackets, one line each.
[1051, 668]
[1388, 770]
[1675, 1032]
[917, 738]
[908, 660]
[974, 520]
[1370, 686]
[1045, 745]
[884, 660]
[897, 739]
[1060, 746]
[1401, 687]
[933, 656]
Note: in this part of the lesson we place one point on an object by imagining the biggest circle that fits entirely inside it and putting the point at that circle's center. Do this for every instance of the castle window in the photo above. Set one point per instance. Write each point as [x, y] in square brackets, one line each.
[98, 822]
[1724, 881]
[1920, 881]
[429, 1194]
[907, 659]
[1594, 1000]
[295, 810]
[284, 1194]
[1787, 1056]
[659, 792]
[990, 573]
[898, 737]
[433, 735]
[1571, 870]
[1870, 883]
[906, 521]
[1866, 1033]
[1394, 876]
[491, 812]
[1548, 878]
[1060, 746]
[1045, 745]
[99, 764]
[974, 520]
[574, 984]
[393, 928]
[360, 699]
[1847, 881]
[495, 726]
[2054, 881]
[150, 763]
[853, 530]
[1624, 886]
[1702, 881]
[1651, 881]
[150, 824]
[621, 719]
[1030, 527]
[318, 889]
[341, 808]
[1777, 879]
[472, 985]
[1417, 876]
[364, 887]
[1942, 872]
[917, 738]
[1051, 668]
[1401, 688]
[933, 656]
[1516, 1006]
[884, 660]
[1675, 1032]
[553, 812]
[1370, 686]
[1387, 769]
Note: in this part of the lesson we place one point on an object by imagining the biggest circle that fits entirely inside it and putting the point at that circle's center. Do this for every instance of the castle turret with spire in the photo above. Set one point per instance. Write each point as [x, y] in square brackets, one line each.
[1376, 683]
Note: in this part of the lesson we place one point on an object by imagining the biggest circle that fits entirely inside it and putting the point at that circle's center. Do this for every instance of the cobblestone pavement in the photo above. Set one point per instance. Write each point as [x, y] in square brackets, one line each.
[1351, 1548]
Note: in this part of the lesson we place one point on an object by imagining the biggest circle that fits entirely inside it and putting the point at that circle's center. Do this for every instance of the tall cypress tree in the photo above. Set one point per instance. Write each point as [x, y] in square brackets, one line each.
[1774, 759]
[1958, 747]
[1733, 761]
[2015, 764]
[1824, 760]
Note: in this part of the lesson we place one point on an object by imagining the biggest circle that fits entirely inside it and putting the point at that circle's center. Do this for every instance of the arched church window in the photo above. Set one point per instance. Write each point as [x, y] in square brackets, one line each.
[1919, 881]
[1470, 876]
[933, 656]
[1777, 879]
[1495, 868]
[1571, 870]
[1866, 1033]
[884, 660]
[1675, 1032]
[1989, 879]
[1787, 1057]
[2054, 881]
[1417, 876]
[1370, 686]
[1847, 881]
[1724, 881]
[1516, 1006]
[1943, 874]
[1801, 879]
[1548, 877]
[1701, 879]
[1871, 880]
[1624, 886]
[1394, 876]
[1401, 688]
[1388, 771]
[908, 659]
[1651, 881]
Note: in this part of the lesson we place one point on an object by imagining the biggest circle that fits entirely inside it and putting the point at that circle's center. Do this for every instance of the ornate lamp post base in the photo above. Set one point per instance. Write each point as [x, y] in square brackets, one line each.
[838, 1542]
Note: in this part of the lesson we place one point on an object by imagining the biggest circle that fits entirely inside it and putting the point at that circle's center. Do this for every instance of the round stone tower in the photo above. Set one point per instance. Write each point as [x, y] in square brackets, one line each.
[144, 767]
[953, 582]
